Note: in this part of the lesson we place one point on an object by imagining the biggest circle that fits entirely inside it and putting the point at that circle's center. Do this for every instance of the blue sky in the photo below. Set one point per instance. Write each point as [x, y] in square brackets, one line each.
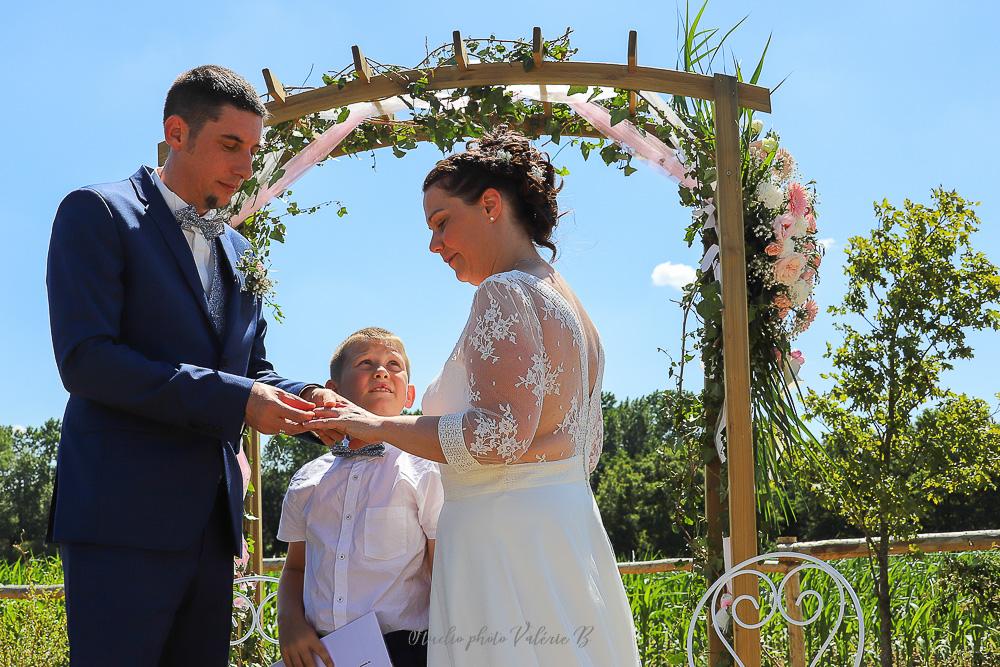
[882, 100]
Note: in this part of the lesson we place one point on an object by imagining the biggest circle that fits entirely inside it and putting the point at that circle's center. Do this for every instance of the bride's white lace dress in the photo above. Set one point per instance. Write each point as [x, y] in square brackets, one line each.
[523, 570]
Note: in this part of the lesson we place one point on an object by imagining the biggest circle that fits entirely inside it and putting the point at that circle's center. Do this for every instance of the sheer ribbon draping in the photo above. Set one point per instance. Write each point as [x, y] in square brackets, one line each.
[643, 145]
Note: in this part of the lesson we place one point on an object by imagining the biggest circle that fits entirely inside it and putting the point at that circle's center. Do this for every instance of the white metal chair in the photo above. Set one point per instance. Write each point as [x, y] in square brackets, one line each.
[772, 599]
[245, 602]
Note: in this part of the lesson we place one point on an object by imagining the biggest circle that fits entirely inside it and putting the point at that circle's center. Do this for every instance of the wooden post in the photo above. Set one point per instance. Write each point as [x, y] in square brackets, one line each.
[736, 358]
[256, 509]
[796, 635]
[633, 63]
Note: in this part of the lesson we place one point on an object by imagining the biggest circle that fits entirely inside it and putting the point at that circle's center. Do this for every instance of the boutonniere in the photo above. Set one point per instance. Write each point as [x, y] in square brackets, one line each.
[253, 276]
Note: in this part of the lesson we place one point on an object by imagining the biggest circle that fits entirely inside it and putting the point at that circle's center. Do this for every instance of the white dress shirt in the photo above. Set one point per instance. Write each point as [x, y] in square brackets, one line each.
[365, 523]
[200, 247]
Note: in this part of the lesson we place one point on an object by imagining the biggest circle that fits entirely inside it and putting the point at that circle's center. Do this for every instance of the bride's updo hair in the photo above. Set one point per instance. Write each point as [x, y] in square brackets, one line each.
[505, 159]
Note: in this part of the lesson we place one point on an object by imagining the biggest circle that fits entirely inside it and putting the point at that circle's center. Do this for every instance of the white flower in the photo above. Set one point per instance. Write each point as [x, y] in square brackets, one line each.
[790, 369]
[799, 228]
[770, 145]
[756, 126]
[787, 247]
[770, 195]
[799, 292]
[504, 156]
[538, 173]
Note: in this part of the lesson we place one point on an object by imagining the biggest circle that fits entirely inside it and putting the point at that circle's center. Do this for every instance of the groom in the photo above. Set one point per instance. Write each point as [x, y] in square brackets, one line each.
[162, 352]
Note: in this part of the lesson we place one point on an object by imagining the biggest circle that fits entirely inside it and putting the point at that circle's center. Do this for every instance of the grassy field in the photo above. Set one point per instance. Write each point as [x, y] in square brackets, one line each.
[946, 613]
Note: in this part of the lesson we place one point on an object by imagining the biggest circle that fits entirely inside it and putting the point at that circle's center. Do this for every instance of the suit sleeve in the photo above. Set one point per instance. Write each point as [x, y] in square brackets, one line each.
[84, 279]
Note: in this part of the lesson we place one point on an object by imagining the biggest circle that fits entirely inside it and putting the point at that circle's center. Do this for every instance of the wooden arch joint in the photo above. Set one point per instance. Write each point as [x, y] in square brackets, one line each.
[632, 67]
[461, 53]
[274, 87]
[538, 56]
[361, 66]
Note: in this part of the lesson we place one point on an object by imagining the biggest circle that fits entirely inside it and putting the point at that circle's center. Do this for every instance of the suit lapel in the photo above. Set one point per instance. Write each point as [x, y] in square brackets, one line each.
[157, 209]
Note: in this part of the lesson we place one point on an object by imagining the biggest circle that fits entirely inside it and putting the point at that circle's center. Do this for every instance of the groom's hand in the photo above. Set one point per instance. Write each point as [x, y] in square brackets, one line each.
[271, 410]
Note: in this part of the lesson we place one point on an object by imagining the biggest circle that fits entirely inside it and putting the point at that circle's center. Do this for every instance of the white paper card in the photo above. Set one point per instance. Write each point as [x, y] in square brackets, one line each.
[357, 644]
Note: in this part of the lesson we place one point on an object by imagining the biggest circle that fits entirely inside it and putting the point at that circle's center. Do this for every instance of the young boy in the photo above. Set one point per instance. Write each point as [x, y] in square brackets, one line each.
[360, 529]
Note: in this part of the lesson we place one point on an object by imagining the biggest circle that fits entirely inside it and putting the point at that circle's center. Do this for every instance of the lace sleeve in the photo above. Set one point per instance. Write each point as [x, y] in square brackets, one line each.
[508, 373]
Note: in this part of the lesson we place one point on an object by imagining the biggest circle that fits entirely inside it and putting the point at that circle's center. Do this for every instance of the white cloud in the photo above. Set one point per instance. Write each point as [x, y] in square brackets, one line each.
[827, 243]
[673, 275]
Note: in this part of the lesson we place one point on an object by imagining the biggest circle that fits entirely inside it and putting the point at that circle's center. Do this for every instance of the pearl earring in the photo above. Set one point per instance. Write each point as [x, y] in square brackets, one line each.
[492, 219]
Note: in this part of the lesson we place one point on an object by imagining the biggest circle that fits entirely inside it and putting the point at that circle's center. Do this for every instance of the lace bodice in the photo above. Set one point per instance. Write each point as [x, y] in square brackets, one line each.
[516, 388]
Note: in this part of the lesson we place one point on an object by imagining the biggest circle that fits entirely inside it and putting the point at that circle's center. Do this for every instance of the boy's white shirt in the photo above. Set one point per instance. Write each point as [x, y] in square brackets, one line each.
[365, 523]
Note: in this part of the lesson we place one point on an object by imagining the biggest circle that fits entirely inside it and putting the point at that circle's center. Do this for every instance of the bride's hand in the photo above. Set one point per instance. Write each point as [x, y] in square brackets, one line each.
[350, 420]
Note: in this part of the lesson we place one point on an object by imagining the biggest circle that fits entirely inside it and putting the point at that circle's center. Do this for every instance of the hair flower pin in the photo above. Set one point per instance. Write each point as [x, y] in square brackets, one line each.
[504, 156]
[538, 172]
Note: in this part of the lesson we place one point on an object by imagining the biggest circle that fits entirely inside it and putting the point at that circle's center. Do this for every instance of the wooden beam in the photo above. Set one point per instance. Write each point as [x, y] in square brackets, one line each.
[274, 87]
[736, 356]
[361, 66]
[606, 75]
[633, 62]
[461, 53]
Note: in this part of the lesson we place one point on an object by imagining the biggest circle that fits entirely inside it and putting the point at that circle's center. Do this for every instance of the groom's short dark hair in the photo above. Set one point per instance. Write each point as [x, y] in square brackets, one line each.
[198, 94]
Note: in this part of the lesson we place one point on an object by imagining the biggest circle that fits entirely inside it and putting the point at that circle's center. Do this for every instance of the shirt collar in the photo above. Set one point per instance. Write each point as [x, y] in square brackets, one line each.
[174, 202]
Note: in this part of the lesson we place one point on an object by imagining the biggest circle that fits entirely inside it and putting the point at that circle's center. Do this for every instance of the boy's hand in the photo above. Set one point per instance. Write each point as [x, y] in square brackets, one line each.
[299, 643]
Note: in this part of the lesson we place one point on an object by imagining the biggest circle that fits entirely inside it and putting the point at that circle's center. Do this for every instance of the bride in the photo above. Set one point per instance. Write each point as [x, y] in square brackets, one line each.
[523, 570]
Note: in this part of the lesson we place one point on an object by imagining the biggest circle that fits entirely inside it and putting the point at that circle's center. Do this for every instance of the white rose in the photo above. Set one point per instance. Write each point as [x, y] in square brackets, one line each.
[770, 195]
[770, 145]
[799, 292]
[787, 247]
[799, 228]
[756, 126]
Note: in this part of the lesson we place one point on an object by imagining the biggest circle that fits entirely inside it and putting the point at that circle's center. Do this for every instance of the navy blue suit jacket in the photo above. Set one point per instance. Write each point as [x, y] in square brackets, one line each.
[157, 398]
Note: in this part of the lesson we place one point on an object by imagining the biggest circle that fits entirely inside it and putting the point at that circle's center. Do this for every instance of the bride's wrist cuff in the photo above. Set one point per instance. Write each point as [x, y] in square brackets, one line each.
[453, 443]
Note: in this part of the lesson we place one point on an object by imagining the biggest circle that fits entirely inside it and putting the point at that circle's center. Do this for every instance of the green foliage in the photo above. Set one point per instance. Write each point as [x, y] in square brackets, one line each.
[27, 470]
[281, 456]
[648, 482]
[899, 442]
[32, 632]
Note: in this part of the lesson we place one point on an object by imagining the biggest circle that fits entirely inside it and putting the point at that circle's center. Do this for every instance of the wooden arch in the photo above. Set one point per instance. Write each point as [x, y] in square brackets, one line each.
[728, 95]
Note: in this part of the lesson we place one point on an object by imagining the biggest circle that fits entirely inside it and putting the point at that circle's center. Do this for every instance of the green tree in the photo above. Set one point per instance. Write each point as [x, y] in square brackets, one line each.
[27, 470]
[916, 287]
[648, 482]
[280, 457]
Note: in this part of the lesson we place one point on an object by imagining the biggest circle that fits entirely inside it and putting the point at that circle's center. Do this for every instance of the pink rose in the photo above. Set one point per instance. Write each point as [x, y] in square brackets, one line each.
[788, 269]
[782, 302]
[809, 275]
[782, 226]
[774, 249]
[798, 356]
[812, 310]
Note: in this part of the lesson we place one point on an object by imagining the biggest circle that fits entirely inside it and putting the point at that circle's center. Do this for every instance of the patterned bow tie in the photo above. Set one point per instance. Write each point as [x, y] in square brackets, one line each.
[343, 449]
[189, 219]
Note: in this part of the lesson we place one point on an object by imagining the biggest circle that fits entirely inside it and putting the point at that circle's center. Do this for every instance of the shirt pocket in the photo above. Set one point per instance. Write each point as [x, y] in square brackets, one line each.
[385, 532]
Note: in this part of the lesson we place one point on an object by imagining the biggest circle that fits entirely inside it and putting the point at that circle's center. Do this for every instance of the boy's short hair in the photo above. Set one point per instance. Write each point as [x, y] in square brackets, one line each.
[364, 335]
[198, 95]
